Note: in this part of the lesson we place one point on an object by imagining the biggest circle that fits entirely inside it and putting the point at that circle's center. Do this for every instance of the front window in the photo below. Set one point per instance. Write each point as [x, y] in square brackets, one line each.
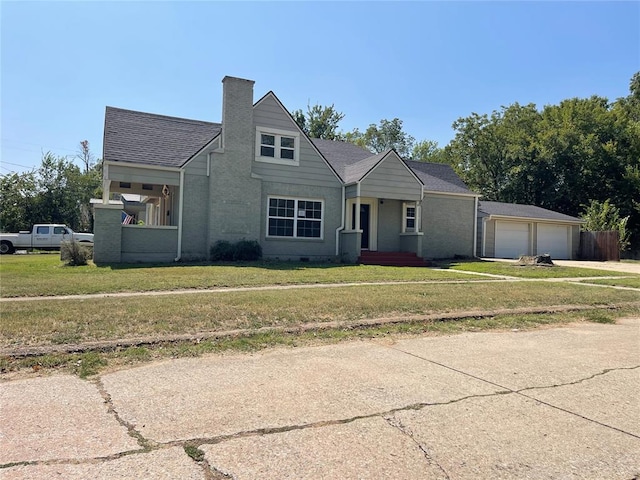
[277, 146]
[288, 217]
[409, 218]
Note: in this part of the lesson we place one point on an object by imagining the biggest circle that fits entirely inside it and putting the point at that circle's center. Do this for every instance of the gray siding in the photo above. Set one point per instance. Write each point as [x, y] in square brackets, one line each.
[294, 249]
[195, 213]
[129, 173]
[490, 239]
[197, 166]
[351, 191]
[312, 169]
[149, 244]
[389, 225]
[447, 223]
[391, 179]
[107, 233]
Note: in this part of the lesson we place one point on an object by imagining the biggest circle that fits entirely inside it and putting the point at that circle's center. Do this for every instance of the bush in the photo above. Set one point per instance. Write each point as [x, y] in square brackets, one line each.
[247, 250]
[242, 251]
[74, 254]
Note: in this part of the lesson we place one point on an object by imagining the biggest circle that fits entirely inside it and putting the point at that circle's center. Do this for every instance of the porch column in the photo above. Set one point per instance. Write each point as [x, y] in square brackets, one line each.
[418, 216]
[106, 185]
[357, 213]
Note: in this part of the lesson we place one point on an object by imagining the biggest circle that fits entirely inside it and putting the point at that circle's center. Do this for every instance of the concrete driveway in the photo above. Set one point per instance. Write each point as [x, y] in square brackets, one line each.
[623, 267]
[541, 404]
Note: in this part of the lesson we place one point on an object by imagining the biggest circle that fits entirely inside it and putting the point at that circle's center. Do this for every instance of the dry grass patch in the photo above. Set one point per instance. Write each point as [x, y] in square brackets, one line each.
[73, 321]
[91, 363]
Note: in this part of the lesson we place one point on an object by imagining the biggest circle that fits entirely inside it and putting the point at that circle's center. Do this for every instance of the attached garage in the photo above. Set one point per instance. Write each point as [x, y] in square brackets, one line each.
[508, 230]
[512, 239]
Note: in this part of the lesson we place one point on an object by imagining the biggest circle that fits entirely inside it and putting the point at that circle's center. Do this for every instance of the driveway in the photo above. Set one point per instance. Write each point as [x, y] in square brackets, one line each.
[623, 267]
[547, 403]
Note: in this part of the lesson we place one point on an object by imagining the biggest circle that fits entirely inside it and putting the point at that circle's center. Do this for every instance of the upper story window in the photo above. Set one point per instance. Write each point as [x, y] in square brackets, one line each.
[277, 146]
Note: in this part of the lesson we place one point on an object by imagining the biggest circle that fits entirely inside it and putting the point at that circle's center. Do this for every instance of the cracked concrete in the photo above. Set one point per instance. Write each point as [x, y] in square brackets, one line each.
[552, 403]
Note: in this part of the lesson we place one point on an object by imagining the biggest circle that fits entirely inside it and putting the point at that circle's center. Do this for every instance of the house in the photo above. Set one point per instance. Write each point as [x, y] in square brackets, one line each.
[257, 176]
[508, 230]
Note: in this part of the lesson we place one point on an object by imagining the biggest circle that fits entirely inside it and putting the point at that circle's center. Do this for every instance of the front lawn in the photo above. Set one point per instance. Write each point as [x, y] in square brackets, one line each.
[73, 321]
[43, 275]
[38, 275]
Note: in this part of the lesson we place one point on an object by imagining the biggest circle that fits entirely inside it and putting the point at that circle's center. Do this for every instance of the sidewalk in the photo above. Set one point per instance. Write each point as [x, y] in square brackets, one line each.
[548, 403]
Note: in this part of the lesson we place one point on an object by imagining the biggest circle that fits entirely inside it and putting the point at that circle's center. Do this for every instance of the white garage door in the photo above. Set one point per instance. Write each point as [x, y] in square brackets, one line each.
[512, 239]
[554, 240]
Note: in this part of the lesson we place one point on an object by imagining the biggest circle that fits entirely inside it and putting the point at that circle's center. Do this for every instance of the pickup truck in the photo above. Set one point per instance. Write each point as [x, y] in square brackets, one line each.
[43, 237]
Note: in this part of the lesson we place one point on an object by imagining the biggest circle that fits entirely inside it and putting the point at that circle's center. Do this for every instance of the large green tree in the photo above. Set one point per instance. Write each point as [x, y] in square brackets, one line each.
[57, 192]
[561, 157]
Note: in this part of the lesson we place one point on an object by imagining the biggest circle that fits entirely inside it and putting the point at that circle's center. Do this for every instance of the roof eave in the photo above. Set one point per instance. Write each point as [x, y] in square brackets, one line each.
[534, 219]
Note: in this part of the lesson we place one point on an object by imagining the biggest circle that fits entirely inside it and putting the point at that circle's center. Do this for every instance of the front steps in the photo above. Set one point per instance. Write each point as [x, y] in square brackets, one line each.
[394, 259]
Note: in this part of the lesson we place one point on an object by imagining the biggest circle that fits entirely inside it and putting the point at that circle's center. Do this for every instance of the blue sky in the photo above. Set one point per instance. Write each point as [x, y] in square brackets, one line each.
[427, 63]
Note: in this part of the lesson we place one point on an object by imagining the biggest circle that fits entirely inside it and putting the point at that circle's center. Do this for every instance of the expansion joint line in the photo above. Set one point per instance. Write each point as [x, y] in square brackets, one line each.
[520, 391]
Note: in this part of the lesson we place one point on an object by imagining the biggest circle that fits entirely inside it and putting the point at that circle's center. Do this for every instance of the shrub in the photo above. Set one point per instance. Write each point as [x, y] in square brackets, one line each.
[222, 251]
[74, 254]
[242, 251]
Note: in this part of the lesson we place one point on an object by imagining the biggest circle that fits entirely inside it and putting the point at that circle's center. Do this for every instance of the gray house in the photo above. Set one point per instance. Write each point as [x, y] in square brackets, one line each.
[508, 230]
[257, 176]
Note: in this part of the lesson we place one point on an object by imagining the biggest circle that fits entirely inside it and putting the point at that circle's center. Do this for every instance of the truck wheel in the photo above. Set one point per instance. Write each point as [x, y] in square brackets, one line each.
[6, 248]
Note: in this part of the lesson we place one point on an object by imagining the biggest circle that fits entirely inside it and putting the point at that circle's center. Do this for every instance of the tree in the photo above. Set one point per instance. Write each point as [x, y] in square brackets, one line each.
[604, 216]
[85, 156]
[57, 192]
[319, 121]
[17, 192]
[427, 151]
[384, 136]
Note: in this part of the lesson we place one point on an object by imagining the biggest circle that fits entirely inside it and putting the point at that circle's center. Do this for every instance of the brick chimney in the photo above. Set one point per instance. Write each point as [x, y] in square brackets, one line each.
[237, 114]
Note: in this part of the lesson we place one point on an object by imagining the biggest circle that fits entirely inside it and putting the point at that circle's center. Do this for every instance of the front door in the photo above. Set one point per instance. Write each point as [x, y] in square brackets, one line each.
[365, 222]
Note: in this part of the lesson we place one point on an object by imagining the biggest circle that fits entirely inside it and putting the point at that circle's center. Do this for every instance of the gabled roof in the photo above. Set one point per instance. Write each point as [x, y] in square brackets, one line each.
[150, 139]
[354, 172]
[523, 211]
[340, 154]
[352, 161]
[439, 177]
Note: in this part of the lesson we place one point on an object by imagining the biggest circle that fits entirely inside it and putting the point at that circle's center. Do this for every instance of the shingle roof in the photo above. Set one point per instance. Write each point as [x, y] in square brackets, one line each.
[439, 177]
[355, 171]
[352, 161]
[340, 154]
[523, 211]
[151, 139]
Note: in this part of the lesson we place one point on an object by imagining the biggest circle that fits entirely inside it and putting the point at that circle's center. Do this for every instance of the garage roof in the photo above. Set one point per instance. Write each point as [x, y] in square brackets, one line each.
[515, 210]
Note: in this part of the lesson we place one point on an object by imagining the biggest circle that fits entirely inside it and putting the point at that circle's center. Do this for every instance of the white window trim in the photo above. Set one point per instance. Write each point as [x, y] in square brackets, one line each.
[295, 218]
[405, 206]
[278, 134]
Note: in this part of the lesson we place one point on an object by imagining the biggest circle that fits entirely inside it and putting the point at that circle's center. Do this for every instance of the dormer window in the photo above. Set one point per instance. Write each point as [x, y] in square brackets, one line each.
[277, 146]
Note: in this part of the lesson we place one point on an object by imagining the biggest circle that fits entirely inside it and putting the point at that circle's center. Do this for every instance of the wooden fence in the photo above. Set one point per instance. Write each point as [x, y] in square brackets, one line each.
[600, 246]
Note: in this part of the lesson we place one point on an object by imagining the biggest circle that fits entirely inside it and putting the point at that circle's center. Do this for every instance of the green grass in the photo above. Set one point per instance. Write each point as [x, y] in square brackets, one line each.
[41, 275]
[44, 275]
[633, 282]
[514, 270]
[72, 321]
